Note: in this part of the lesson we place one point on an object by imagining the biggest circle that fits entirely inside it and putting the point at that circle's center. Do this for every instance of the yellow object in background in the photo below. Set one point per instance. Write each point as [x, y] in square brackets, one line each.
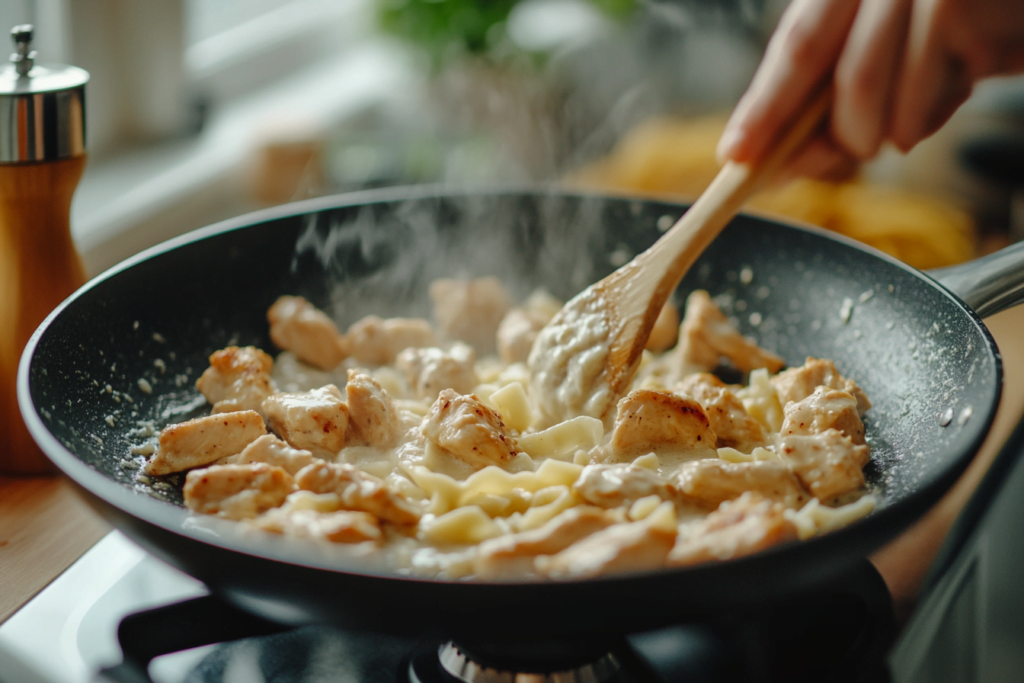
[676, 158]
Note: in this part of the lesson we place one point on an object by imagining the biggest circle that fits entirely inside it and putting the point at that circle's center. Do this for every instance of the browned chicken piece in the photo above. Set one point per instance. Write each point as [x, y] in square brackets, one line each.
[470, 310]
[733, 426]
[204, 440]
[372, 417]
[665, 332]
[430, 370]
[342, 526]
[620, 548]
[710, 481]
[316, 420]
[271, 450]
[376, 341]
[297, 326]
[796, 384]
[468, 429]
[739, 527]
[829, 464]
[611, 486]
[237, 491]
[237, 379]
[650, 420]
[513, 555]
[824, 409]
[516, 333]
[358, 490]
[706, 336]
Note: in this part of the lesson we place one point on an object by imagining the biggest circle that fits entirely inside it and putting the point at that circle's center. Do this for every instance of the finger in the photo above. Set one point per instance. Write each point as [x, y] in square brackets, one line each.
[823, 159]
[802, 51]
[866, 75]
[934, 81]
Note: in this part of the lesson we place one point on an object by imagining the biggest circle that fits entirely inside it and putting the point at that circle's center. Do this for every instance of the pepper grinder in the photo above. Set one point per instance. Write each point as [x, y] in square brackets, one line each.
[42, 155]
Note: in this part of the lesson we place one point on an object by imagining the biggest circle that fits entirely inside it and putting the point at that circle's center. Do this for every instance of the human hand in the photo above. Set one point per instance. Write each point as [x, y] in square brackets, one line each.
[900, 69]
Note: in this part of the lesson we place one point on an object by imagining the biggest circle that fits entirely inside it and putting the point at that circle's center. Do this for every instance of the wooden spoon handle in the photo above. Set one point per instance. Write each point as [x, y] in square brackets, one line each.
[730, 189]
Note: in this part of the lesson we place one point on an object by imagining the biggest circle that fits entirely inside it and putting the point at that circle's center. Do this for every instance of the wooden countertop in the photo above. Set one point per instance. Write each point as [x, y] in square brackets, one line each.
[45, 527]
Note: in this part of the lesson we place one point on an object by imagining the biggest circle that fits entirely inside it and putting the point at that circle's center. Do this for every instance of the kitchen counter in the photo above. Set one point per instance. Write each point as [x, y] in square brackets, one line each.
[45, 527]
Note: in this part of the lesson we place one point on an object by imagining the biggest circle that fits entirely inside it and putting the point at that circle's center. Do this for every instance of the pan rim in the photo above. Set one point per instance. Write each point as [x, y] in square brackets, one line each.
[887, 522]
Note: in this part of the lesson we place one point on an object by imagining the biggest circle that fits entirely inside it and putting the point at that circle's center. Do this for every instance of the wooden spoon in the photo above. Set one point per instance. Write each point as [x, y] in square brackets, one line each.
[584, 360]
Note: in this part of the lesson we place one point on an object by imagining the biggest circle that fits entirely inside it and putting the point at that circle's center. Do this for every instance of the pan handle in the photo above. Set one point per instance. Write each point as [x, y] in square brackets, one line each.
[989, 284]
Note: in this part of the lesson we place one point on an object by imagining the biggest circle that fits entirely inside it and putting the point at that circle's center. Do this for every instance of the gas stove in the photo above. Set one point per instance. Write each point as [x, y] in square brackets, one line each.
[69, 633]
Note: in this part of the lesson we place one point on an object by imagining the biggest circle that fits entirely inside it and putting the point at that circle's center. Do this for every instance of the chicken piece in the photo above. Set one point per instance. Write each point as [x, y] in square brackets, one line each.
[373, 419]
[738, 527]
[237, 379]
[516, 333]
[733, 426]
[430, 370]
[612, 486]
[824, 409]
[650, 420]
[375, 341]
[297, 326]
[469, 430]
[710, 482]
[828, 464]
[513, 555]
[342, 526]
[470, 310]
[237, 491]
[620, 548]
[316, 421]
[357, 490]
[665, 332]
[204, 440]
[271, 450]
[796, 384]
[706, 336]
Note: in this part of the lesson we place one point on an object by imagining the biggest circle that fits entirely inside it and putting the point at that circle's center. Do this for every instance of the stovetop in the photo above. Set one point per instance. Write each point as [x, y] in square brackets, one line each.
[69, 632]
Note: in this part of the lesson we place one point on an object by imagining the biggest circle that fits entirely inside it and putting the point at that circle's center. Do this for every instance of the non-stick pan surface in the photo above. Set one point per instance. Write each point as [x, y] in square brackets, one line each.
[923, 358]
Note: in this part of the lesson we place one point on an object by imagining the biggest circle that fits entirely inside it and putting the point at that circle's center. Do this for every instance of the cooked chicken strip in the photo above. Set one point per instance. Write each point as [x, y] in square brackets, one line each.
[829, 464]
[237, 491]
[357, 490]
[470, 310]
[739, 527]
[469, 430]
[665, 332]
[796, 384]
[374, 341]
[824, 409]
[733, 426]
[271, 450]
[373, 419]
[620, 548]
[316, 421]
[237, 379]
[706, 336]
[297, 326]
[513, 555]
[650, 420]
[429, 370]
[611, 486]
[204, 440]
[343, 526]
[710, 481]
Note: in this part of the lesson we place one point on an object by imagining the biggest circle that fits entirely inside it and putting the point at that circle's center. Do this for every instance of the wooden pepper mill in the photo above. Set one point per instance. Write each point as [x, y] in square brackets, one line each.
[42, 155]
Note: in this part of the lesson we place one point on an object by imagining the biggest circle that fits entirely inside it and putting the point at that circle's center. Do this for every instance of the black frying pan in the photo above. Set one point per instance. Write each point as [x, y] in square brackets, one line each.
[917, 350]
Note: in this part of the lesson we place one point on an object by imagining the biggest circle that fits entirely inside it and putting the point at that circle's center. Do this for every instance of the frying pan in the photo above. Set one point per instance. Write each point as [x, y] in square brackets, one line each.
[924, 358]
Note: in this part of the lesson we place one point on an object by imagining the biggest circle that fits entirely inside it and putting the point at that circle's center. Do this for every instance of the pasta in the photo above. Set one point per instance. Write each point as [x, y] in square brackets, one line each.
[438, 457]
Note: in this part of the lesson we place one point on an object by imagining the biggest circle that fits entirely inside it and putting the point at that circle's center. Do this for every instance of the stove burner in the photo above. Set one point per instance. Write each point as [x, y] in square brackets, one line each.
[464, 668]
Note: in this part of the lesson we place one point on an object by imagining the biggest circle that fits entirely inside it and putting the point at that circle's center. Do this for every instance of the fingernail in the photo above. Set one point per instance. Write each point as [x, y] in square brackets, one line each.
[727, 144]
